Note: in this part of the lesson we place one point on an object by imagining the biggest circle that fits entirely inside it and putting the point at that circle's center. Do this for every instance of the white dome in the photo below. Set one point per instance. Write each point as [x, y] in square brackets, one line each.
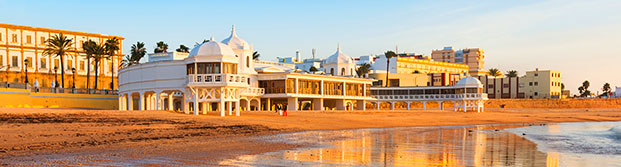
[338, 57]
[469, 81]
[212, 48]
[235, 42]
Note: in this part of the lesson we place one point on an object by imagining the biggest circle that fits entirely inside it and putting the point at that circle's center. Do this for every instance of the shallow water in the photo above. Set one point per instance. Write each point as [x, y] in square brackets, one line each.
[487, 145]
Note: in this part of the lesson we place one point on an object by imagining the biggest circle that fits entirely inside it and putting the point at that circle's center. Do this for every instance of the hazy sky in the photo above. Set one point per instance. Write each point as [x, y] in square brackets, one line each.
[579, 38]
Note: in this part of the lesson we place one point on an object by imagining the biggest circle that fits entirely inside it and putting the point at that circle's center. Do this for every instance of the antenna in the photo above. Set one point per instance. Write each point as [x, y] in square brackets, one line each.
[313, 54]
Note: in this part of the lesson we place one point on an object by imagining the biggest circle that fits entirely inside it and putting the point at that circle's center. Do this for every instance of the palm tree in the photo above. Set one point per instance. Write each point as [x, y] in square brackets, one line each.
[161, 47]
[204, 41]
[89, 48]
[363, 69]
[111, 46]
[137, 52]
[183, 48]
[255, 55]
[388, 54]
[512, 73]
[99, 52]
[494, 72]
[58, 45]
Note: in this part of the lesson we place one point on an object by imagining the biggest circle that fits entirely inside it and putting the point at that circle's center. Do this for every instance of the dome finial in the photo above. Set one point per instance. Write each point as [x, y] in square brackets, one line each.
[338, 47]
[233, 31]
[212, 39]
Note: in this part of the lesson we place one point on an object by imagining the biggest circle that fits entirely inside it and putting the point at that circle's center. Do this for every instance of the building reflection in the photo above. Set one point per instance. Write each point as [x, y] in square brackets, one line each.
[471, 146]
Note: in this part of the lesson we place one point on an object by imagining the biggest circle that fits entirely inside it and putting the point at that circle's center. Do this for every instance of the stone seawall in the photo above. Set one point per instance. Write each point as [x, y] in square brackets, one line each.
[554, 103]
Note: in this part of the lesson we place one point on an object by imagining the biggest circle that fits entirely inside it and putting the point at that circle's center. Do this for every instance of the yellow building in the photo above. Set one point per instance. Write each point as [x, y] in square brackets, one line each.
[19, 43]
[541, 84]
[400, 79]
[438, 73]
[473, 57]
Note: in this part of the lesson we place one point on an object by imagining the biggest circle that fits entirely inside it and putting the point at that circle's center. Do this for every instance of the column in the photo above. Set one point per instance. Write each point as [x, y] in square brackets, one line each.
[195, 104]
[268, 107]
[440, 105]
[478, 106]
[292, 104]
[157, 101]
[186, 107]
[321, 88]
[465, 106]
[121, 107]
[248, 105]
[237, 108]
[141, 102]
[392, 105]
[130, 102]
[297, 86]
[170, 101]
[221, 106]
[361, 105]
[377, 104]
[455, 105]
[424, 105]
[408, 103]
[230, 107]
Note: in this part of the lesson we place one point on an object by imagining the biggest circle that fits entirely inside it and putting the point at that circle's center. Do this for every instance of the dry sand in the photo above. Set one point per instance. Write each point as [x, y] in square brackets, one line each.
[39, 136]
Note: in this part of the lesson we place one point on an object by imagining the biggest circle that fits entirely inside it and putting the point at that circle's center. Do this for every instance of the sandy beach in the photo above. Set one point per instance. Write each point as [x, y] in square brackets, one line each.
[32, 136]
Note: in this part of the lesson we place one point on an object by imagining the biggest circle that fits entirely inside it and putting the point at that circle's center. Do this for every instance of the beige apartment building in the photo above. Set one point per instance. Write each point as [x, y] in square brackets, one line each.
[438, 73]
[537, 84]
[19, 43]
[473, 57]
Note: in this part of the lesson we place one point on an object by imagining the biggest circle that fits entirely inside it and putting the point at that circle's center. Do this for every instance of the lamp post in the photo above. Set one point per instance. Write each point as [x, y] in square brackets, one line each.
[26, 70]
[73, 82]
[55, 79]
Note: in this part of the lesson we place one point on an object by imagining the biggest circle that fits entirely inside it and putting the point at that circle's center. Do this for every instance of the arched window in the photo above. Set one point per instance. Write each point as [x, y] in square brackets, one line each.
[331, 71]
[342, 71]
[248, 61]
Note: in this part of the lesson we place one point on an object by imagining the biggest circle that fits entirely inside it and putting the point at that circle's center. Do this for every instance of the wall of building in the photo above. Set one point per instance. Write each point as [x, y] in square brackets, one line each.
[403, 79]
[19, 43]
[23, 98]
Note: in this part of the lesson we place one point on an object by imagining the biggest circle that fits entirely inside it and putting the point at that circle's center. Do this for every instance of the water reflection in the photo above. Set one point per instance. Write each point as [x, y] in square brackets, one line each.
[447, 146]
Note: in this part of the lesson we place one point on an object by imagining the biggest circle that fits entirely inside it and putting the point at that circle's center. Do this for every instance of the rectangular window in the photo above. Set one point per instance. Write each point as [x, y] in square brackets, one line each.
[43, 63]
[530, 83]
[29, 65]
[14, 61]
[490, 86]
[0, 36]
[69, 64]
[536, 83]
[28, 39]
[56, 63]
[536, 74]
[82, 65]
[110, 66]
[14, 38]
[42, 40]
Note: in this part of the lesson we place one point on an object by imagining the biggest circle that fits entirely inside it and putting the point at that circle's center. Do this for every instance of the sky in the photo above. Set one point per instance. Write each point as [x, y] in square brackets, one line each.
[579, 38]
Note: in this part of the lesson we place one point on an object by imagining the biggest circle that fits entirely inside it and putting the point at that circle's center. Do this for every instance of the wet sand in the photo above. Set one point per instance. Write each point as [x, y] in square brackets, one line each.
[72, 136]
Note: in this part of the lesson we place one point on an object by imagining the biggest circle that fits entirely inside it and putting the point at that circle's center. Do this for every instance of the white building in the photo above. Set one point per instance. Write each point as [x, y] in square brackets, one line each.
[221, 76]
[618, 92]
[339, 64]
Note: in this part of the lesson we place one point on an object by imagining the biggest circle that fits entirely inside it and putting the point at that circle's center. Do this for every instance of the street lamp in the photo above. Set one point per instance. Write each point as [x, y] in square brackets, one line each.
[26, 70]
[55, 79]
[73, 71]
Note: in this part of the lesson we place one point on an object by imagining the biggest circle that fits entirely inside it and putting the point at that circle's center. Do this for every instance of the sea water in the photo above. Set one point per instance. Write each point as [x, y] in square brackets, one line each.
[562, 144]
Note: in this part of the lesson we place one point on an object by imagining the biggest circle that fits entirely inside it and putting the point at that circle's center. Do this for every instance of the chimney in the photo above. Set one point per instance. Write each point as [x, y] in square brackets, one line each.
[297, 55]
[313, 54]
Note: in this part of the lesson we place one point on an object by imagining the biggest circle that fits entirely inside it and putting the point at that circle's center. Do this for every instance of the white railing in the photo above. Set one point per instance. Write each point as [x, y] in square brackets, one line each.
[216, 79]
[467, 96]
[253, 91]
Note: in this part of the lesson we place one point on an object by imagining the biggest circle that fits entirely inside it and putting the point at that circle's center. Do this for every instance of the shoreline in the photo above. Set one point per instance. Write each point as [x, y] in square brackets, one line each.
[115, 134]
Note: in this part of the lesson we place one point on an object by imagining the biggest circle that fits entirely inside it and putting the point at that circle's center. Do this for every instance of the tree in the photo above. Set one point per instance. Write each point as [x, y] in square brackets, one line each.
[512, 73]
[606, 89]
[562, 86]
[584, 89]
[388, 55]
[58, 45]
[161, 47]
[136, 53]
[89, 49]
[363, 69]
[111, 47]
[255, 55]
[204, 41]
[494, 72]
[183, 48]
[313, 69]
[98, 54]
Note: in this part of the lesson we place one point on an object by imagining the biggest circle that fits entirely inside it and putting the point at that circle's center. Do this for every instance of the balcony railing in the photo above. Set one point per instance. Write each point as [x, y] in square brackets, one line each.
[467, 96]
[253, 91]
[217, 79]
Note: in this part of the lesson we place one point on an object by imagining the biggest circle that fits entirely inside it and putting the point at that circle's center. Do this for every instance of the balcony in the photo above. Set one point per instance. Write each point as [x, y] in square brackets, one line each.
[467, 96]
[218, 80]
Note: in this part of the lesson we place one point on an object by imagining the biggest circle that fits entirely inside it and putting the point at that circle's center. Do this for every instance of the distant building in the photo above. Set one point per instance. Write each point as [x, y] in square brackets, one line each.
[439, 73]
[618, 92]
[20, 43]
[538, 84]
[473, 57]
[400, 79]
[167, 56]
